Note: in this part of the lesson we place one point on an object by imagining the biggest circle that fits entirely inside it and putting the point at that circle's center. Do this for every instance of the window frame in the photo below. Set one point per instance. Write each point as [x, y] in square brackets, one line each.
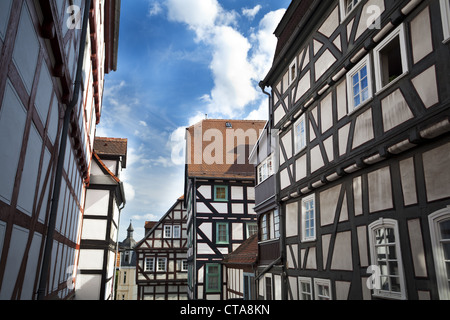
[434, 220]
[184, 267]
[208, 274]
[215, 193]
[262, 174]
[300, 138]
[218, 240]
[366, 61]
[152, 259]
[167, 227]
[372, 228]
[322, 282]
[308, 281]
[265, 226]
[178, 228]
[247, 228]
[400, 32]
[445, 16]
[303, 220]
[343, 8]
[158, 269]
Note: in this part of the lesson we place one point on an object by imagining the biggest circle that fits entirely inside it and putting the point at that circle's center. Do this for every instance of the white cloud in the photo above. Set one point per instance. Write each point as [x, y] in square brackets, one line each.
[155, 8]
[251, 13]
[262, 113]
[145, 217]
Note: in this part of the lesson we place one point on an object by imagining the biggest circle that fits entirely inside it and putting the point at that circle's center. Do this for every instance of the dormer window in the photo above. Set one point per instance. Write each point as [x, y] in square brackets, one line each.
[347, 6]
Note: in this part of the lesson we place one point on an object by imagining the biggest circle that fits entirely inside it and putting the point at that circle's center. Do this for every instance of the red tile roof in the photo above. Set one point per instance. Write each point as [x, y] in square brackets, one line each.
[215, 137]
[112, 147]
[246, 253]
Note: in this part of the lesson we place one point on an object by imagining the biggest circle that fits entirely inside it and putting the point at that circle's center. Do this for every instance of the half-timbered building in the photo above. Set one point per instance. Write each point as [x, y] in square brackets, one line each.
[161, 266]
[240, 269]
[220, 197]
[126, 288]
[47, 47]
[360, 97]
[105, 198]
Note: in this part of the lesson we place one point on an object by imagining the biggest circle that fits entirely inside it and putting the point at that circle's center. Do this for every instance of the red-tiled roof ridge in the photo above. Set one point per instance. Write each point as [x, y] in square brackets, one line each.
[112, 147]
[105, 167]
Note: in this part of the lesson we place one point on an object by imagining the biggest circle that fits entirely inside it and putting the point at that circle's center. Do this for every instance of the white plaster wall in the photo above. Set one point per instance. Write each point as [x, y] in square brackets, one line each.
[292, 219]
[91, 259]
[96, 202]
[12, 119]
[88, 287]
[94, 229]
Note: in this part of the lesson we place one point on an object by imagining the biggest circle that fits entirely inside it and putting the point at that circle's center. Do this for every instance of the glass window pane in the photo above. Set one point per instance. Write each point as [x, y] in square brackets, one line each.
[395, 284]
[355, 79]
[393, 268]
[384, 283]
[356, 101]
[363, 72]
[390, 235]
[446, 249]
[445, 229]
[364, 83]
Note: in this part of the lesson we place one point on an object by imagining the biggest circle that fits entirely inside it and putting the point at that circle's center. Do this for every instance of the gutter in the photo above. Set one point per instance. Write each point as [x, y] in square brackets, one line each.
[60, 165]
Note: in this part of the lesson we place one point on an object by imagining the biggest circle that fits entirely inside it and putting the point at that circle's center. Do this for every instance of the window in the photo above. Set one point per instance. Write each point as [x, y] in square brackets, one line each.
[149, 264]
[322, 289]
[347, 6]
[124, 277]
[167, 231]
[162, 263]
[126, 257]
[308, 219]
[265, 169]
[268, 288]
[249, 287]
[440, 238]
[220, 193]
[386, 255]
[276, 223]
[264, 228]
[252, 228]
[293, 71]
[359, 84]
[184, 265]
[222, 233]
[213, 277]
[176, 231]
[300, 134]
[445, 14]
[305, 288]
[390, 58]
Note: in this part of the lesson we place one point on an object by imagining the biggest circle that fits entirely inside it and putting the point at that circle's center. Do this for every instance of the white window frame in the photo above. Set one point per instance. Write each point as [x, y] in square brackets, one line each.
[158, 269]
[265, 169]
[167, 234]
[300, 140]
[445, 15]
[303, 218]
[434, 220]
[308, 281]
[366, 61]
[293, 65]
[387, 223]
[183, 266]
[152, 265]
[251, 224]
[322, 282]
[176, 232]
[343, 8]
[400, 32]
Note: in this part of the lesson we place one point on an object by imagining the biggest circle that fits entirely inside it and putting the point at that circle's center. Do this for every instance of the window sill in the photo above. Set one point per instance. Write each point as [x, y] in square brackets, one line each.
[390, 84]
[389, 296]
[309, 240]
[360, 106]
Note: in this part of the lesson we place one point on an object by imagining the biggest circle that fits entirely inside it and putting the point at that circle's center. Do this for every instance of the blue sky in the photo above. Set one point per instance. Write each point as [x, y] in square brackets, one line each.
[179, 60]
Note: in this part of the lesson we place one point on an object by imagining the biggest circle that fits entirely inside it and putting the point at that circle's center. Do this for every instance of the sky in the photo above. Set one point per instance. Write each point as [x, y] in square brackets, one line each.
[179, 60]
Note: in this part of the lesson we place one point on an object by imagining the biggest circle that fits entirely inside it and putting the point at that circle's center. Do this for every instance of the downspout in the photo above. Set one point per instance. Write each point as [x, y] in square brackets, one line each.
[60, 165]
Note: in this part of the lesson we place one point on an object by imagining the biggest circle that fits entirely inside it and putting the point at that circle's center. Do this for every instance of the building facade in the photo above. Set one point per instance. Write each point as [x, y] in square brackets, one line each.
[105, 198]
[126, 288]
[360, 98]
[40, 44]
[161, 267]
[219, 199]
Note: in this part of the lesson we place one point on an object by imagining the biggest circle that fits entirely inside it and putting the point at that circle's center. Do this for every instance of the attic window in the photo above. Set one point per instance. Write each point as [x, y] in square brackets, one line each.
[292, 71]
[228, 125]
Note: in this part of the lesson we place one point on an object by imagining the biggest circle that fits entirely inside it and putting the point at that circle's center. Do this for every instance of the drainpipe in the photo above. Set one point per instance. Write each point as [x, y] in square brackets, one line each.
[122, 193]
[60, 165]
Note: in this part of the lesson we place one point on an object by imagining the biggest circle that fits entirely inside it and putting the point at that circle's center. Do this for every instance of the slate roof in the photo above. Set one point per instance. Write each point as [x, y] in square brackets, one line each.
[221, 169]
[112, 147]
[246, 253]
